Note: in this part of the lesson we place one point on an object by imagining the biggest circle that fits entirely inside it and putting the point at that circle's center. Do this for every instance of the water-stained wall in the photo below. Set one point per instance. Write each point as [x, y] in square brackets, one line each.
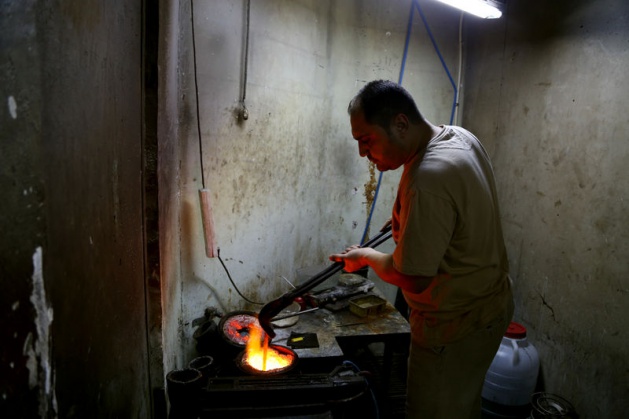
[547, 87]
[287, 185]
[544, 88]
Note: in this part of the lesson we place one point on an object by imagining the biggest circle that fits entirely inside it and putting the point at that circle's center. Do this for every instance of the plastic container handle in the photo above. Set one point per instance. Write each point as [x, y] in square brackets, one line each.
[516, 352]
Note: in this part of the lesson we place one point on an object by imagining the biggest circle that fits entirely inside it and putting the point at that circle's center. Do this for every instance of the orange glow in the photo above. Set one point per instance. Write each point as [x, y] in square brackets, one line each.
[237, 328]
[262, 357]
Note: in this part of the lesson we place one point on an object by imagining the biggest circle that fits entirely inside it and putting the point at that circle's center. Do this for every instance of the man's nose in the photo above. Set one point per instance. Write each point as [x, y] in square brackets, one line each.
[362, 150]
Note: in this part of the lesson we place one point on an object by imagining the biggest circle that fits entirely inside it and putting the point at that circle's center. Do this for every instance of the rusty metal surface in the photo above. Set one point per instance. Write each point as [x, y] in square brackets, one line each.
[328, 325]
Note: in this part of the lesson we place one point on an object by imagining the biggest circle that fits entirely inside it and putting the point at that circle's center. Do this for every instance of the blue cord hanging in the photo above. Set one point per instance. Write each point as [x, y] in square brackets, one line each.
[414, 4]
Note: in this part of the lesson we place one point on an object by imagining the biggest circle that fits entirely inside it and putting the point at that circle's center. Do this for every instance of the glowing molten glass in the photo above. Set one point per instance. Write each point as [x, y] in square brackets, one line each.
[262, 357]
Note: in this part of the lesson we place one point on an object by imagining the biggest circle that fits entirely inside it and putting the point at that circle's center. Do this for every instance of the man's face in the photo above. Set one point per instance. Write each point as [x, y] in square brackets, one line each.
[380, 147]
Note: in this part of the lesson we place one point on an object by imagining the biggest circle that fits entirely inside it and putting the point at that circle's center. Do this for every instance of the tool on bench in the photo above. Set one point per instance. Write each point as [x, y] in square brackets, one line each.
[273, 308]
[336, 298]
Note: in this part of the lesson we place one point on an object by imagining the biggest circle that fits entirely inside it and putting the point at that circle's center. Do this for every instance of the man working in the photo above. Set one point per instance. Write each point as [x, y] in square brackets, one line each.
[450, 259]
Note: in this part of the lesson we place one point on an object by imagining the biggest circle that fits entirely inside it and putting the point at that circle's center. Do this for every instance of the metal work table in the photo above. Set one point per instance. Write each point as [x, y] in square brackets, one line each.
[333, 326]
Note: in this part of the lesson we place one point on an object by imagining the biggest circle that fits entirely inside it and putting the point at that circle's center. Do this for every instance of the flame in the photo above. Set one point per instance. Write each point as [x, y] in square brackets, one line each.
[262, 357]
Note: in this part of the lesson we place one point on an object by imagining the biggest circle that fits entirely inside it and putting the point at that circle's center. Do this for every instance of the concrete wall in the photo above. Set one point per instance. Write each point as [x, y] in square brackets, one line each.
[287, 184]
[168, 175]
[546, 88]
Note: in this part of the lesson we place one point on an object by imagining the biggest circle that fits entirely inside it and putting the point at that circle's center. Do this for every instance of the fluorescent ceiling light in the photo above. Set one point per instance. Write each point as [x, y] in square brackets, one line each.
[487, 9]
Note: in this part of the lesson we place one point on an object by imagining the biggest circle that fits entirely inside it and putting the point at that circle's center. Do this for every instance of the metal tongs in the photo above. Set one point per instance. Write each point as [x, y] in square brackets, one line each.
[273, 308]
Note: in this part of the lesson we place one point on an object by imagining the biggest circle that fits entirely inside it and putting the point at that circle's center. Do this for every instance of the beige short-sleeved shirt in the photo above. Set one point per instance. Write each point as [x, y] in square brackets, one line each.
[446, 224]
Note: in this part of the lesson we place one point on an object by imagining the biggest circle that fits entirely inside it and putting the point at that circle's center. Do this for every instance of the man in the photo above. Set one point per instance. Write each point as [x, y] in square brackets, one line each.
[450, 259]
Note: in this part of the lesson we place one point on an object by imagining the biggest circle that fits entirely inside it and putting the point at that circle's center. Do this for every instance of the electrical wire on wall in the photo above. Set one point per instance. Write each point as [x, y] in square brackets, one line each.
[204, 194]
[232, 281]
[244, 113]
[415, 5]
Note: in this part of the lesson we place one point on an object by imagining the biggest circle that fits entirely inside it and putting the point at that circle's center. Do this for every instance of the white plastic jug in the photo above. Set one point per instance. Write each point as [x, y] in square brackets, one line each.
[512, 376]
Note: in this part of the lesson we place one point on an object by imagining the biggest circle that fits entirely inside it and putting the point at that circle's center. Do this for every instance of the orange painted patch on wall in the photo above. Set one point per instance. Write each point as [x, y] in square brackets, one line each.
[208, 223]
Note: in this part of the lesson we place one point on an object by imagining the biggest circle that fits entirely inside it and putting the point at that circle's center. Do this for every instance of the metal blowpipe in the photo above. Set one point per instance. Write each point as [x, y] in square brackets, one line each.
[273, 308]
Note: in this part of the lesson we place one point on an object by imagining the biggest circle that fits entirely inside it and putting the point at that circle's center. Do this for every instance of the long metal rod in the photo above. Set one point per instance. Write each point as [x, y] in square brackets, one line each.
[336, 267]
[297, 313]
[273, 308]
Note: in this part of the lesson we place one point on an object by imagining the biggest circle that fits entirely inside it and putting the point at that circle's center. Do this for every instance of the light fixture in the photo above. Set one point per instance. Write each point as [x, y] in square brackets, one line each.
[487, 9]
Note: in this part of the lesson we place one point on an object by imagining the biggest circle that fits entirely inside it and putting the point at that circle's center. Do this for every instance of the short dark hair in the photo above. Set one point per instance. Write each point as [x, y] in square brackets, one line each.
[381, 100]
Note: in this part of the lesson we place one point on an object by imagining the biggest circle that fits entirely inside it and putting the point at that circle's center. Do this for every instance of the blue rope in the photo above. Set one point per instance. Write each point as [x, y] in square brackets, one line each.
[414, 4]
[443, 63]
[409, 29]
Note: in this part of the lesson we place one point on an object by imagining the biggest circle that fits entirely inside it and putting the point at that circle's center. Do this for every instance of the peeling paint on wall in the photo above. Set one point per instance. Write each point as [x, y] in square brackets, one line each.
[37, 349]
[12, 107]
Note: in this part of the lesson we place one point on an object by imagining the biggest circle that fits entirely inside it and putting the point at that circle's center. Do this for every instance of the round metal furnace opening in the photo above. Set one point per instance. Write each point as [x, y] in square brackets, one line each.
[279, 360]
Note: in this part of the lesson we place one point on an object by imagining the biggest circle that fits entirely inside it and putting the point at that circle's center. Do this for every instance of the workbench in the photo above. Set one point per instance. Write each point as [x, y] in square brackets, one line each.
[333, 328]
[338, 332]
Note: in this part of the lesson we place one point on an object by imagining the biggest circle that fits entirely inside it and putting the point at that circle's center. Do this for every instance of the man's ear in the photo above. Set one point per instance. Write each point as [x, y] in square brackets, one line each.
[401, 123]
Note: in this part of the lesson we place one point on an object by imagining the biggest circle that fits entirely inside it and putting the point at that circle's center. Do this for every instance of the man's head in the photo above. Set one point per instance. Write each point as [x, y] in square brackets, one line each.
[381, 100]
[384, 119]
